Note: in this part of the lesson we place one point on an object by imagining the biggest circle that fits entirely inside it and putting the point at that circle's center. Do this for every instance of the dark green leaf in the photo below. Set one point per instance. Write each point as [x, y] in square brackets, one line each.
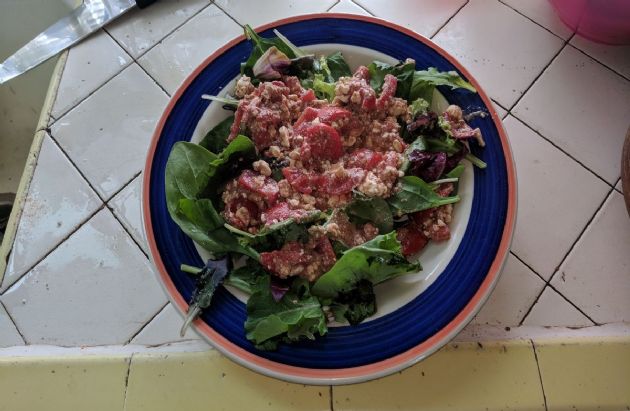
[476, 160]
[246, 277]
[259, 46]
[425, 81]
[375, 261]
[216, 139]
[403, 72]
[456, 172]
[298, 315]
[208, 279]
[374, 210]
[416, 195]
[337, 67]
[356, 305]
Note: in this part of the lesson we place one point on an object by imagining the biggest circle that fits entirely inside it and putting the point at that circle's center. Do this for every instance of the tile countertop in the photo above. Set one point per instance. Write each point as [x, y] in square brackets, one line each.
[78, 273]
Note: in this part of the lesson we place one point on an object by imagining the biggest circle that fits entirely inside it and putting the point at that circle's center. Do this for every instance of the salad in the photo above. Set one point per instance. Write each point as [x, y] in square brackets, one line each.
[322, 184]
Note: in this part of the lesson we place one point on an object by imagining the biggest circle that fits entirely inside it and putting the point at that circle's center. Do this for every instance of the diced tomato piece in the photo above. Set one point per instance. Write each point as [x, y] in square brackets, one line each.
[238, 119]
[291, 254]
[329, 114]
[300, 180]
[326, 252]
[333, 184]
[369, 101]
[250, 206]
[307, 96]
[281, 212]
[388, 91]
[444, 190]
[265, 186]
[411, 239]
[443, 233]
[321, 141]
[309, 114]
[364, 158]
[362, 72]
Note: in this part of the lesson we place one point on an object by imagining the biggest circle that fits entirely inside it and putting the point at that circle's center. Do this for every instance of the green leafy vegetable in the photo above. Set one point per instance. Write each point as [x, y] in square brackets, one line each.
[425, 81]
[418, 144]
[404, 73]
[416, 195]
[355, 305]
[296, 50]
[259, 46]
[333, 67]
[246, 277]
[208, 280]
[296, 316]
[476, 160]
[419, 106]
[227, 101]
[216, 139]
[376, 260]
[374, 210]
[190, 170]
[456, 172]
[322, 89]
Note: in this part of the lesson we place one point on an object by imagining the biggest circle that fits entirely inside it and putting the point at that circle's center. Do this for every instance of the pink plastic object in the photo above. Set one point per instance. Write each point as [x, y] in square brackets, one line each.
[603, 21]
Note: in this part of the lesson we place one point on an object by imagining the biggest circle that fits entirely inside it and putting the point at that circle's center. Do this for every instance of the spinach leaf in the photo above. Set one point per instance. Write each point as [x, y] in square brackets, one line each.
[356, 305]
[456, 172]
[404, 73]
[374, 210]
[335, 66]
[416, 195]
[216, 139]
[376, 260]
[245, 278]
[419, 106]
[190, 170]
[208, 279]
[418, 144]
[425, 81]
[298, 315]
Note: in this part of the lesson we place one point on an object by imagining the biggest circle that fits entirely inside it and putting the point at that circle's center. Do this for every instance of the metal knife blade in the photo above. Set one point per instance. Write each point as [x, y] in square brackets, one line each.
[84, 20]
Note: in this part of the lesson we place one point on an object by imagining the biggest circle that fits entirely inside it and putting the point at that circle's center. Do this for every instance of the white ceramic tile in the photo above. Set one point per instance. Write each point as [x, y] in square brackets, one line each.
[96, 288]
[542, 13]
[554, 311]
[127, 207]
[582, 107]
[139, 30]
[615, 57]
[504, 64]
[9, 335]
[171, 61]
[516, 291]
[348, 6]
[596, 275]
[58, 200]
[164, 329]
[556, 198]
[424, 17]
[107, 135]
[618, 186]
[90, 64]
[256, 13]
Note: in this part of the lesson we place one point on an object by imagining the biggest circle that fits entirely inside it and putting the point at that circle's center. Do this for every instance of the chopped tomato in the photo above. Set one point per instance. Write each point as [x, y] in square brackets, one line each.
[281, 212]
[300, 180]
[364, 158]
[322, 142]
[362, 72]
[250, 206]
[238, 119]
[329, 114]
[333, 184]
[443, 233]
[291, 254]
[411, 239]
[309, 114]
[326, 252]
[265, 186]
[369, 101]
[307, 96]
[444, 190]
[388, 91]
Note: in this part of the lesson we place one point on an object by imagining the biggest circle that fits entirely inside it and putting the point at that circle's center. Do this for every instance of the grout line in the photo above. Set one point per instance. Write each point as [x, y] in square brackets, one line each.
[529, 310]
[528, 266]
[330, 396]
[361, 7]
[534, 21]
[337, 2]
[573, 304]
[542, 386]
[127, 382]
[562, 150]
[165, 36]
[14, 322]
[123, 186]
[138, 64]
[229, 15]
[617, 189]
[448, 21]
[600, 62]
[136, 242]
[146, 323]
[539, 75]
[63, 240]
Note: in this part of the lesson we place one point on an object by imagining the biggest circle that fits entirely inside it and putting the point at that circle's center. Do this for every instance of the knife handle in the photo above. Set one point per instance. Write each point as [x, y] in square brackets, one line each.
[144, 3]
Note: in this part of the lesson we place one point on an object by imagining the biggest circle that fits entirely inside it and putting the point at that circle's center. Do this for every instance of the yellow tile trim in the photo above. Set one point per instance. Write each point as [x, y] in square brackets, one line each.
[581, 374]
[31, 162]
